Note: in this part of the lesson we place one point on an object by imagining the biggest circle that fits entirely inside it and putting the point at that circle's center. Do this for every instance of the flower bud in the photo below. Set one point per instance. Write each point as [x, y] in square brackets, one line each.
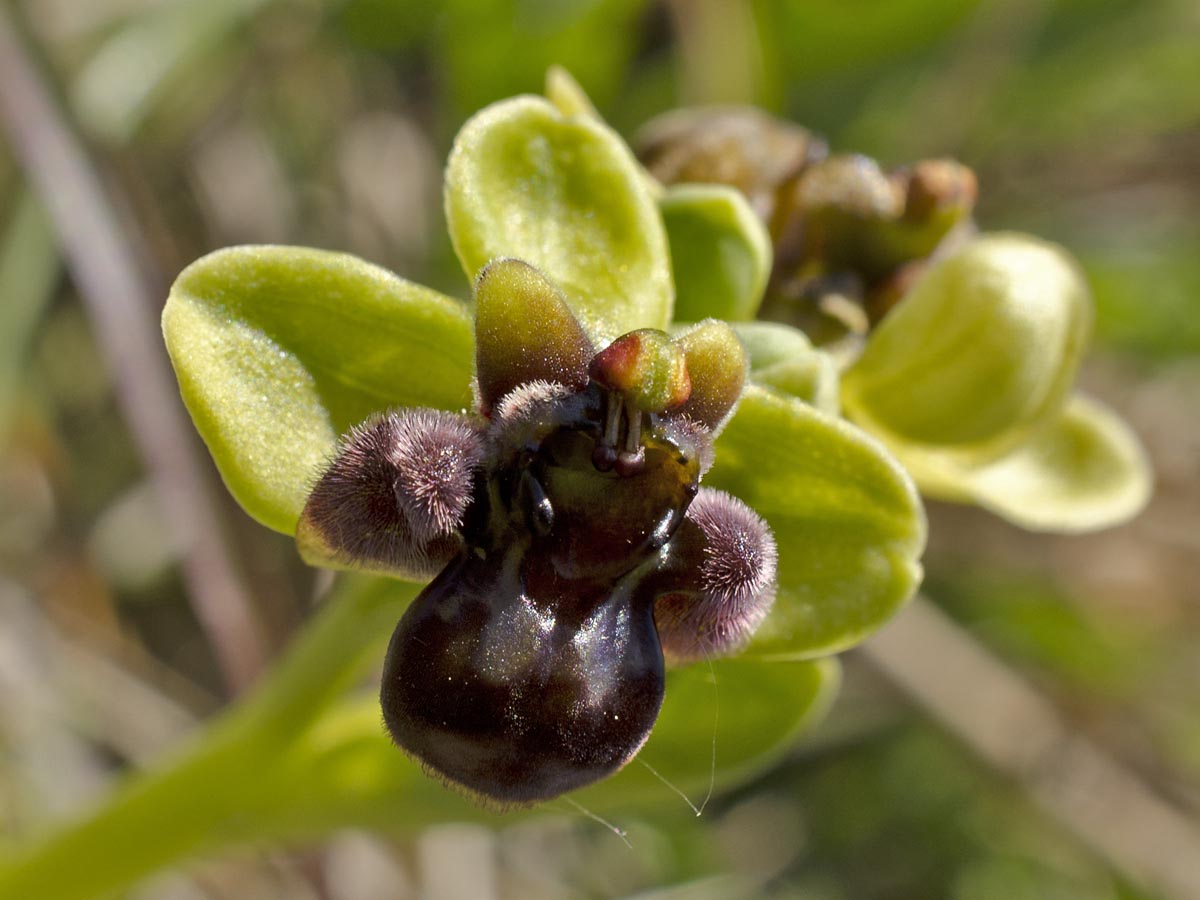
[742, 147]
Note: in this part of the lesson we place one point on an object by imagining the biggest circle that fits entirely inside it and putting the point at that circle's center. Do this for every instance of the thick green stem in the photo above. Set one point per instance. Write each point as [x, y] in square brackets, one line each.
[331, 654]
[209, 793]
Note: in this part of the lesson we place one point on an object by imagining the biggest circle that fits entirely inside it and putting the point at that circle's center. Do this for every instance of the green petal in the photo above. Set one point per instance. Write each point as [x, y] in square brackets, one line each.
[783, 359]
[344, 772]
[279, 350]
[1085, 471]
[980, 353]
[524, 331]
[565, 195]
[720, 252]
[847, 518]
[717, 364]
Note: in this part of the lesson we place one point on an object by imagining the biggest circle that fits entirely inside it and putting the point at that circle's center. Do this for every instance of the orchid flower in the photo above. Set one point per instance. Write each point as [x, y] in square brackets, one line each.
[601, 498]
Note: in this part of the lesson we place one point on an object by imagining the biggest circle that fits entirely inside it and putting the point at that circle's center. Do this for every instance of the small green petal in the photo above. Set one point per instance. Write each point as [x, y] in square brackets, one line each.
[279, 350]
[980, 353]
[720, 252]
[717, 364]
[846, 516]
[1083, 472]
[566, 195]
[783, 359]
[524, 331]
[567, 95]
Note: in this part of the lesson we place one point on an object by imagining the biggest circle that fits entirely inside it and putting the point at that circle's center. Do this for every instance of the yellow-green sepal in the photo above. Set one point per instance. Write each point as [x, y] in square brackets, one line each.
[279, 350]
[847, 517]
[979, 354]
[565, 194]
[1083, 471]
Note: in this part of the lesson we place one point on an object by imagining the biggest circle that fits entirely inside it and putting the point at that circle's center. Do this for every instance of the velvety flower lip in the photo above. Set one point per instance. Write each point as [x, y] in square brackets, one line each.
[574, 549]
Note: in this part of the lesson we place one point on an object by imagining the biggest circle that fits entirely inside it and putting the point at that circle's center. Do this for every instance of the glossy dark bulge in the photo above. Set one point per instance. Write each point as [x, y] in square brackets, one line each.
[531, 665]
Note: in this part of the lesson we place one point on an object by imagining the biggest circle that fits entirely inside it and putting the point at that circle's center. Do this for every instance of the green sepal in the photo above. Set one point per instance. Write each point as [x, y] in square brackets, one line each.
[279, 350]
[720, 252]
[524, 331]
[847, 517]
[1084, 471]
[569, 97]
[845, 201]
[775, 703]
[718, 365]
[981, 352]
[783, 359]
[566, 195]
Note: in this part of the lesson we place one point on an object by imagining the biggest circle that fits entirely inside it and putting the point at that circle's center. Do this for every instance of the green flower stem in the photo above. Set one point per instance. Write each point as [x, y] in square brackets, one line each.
[331, 654]
[210, 793]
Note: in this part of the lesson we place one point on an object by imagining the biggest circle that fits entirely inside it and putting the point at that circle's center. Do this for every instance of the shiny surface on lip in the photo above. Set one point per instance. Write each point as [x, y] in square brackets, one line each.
[487, 687]
[531, 666]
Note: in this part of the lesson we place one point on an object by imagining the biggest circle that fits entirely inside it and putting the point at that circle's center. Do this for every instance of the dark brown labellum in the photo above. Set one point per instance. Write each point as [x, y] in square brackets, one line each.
[531, 666]
[519, 698]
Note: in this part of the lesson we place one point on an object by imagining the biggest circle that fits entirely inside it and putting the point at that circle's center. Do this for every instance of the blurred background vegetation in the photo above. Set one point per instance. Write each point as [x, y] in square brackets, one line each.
[213, 122]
